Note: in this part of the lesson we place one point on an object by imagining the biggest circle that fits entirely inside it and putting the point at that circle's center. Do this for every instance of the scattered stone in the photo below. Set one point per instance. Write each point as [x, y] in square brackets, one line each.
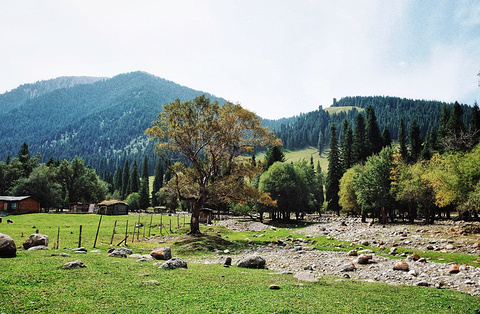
[430, 247]
[422, 284]
[453, 269]
[422, 260]
[227, 262]
[305, 276]
[365, 243]
[274, 287]
[80, 250]
[252, 261]
[414, 257]
[35, 239]
[119, 252]
[95, 251]
[7, 246]
[352, 253]
[174, 263]
[413, 272]
[348, 267]
[449, 247]
[163, 253]
[393, 251]
[75, 264]
[38, 247]
[402, 265]
[364, 258]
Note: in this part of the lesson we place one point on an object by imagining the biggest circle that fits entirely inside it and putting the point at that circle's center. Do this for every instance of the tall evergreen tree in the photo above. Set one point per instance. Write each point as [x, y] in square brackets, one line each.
[455, 123]
[118, 180]
[415, 141]
[402, 140]
[374, 138]
[134, 180]
[125, 179]
[335, 172]
[145, 168]
[359, 141]
[318, 191]
[443, 124]
[157, 182]
[346, 143]
[428, 145]
[273, 154]
[144, 200]
[386, 137]
[474, 127]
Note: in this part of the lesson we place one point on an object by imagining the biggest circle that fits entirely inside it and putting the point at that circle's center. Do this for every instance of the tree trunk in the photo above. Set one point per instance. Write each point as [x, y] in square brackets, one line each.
[194, 220]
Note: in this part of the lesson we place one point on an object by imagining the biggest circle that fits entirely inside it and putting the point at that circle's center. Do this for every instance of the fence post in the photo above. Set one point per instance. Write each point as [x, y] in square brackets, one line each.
[80, 237]
[150, 228]
[126, 234]
[98, 229]
[113, 233]
[58, 237]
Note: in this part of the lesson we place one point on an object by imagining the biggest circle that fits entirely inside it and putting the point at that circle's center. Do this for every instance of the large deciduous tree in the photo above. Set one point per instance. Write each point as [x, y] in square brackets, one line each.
[208, 143]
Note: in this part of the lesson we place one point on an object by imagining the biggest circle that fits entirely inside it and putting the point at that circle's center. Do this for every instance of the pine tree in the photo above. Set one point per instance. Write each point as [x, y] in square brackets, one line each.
[145, 168]
[346, 143]
[443, 124]
[359, 144]
[273, 154]
[134, 180]
[415, 141]
[118, 180]
[402, 140]
[372, 131]
[144, 201]
[386, 138]
[335, 172]
[125, 179]
[319, 196]
[474, 127]
[455, 123]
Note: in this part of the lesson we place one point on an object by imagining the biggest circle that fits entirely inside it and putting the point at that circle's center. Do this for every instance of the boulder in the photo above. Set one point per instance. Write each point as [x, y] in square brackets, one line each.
[75, 264]
[252, 261]
[163, 253]
[174, 263]
[35, 239]
[364, 258]
[119, 252]
[402, 265]
[348, 267]
[352, 253]
[7, 246]
[454, 269]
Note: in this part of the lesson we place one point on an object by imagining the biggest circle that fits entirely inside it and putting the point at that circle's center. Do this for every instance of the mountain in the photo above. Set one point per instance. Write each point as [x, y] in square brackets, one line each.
[101, 120]
[21, 94]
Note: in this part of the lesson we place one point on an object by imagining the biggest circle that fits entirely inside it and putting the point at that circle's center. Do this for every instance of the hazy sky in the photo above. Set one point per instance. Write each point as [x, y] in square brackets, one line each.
[277, 58]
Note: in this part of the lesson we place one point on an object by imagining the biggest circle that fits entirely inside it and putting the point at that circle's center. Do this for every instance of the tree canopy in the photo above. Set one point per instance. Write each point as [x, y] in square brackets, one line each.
[208, 143]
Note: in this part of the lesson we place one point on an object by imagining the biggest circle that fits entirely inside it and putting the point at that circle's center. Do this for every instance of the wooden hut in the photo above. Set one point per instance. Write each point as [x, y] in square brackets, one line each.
[112, 207]
[81, 208]
[205, 216]
[19, 204]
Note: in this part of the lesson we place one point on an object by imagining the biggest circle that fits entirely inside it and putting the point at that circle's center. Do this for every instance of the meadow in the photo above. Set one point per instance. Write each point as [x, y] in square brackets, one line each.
[35, 282]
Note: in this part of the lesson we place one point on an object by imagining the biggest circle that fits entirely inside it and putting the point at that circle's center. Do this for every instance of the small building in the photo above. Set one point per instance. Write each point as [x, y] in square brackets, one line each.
[205, 216]
[81, 208]
[19, 204]
[112, 207]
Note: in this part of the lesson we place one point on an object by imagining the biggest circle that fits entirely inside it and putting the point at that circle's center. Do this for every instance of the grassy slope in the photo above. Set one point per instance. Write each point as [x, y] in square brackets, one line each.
[35, 282]
[303, 154]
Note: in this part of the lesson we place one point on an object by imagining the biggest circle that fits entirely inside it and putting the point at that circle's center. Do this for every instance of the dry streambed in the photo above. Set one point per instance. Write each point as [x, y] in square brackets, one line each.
[300, 259]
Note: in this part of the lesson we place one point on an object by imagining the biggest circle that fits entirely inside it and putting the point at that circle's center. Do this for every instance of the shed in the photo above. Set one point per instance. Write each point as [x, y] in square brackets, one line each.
[112, 207]
[19, 204]
[205, 216]
[82, 208]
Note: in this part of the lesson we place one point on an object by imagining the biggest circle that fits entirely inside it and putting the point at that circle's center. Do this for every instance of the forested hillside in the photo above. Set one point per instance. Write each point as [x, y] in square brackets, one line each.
[101, 120]
[313, 128]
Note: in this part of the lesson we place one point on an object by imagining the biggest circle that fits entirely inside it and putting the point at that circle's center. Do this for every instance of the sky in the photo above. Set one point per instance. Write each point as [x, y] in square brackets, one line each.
[277, 58]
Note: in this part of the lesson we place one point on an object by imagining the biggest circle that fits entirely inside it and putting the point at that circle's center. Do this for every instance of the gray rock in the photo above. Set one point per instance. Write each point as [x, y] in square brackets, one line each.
[163, 253]
[75, 264]
[252, 261]
[174, 263]
[119, 252]
[364, 258]
[35, 239]
[274, 287]
[7, 246]
[348, 267]
[305, 276]
[352, 253]
[38, 247]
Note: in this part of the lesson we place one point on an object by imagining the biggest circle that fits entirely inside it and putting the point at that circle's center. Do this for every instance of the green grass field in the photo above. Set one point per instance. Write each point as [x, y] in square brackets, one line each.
[34, 282]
